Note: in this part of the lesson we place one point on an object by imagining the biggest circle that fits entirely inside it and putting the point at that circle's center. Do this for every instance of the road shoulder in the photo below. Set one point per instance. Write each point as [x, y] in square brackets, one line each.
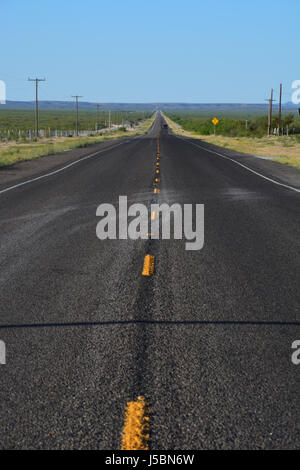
[25, 170]
[284, 174]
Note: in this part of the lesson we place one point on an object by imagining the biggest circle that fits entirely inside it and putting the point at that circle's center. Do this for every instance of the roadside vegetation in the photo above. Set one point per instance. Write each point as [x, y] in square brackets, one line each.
[24, 120]
[15, 151]
[232, 134]
[252, 126]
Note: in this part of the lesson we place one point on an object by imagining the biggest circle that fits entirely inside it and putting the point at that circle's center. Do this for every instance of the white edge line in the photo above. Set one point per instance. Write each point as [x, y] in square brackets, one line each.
[60, 169]
[240, 164]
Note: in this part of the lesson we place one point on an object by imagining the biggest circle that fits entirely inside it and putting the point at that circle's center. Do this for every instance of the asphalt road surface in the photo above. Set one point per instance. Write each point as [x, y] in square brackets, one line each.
[205, 341]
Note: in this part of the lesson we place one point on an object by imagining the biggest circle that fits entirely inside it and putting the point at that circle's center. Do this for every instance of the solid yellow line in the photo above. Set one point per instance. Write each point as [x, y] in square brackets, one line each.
[157, 180]
[148, 268]
[135, 434]
[156, 191]
[157, 171]
[154, 215]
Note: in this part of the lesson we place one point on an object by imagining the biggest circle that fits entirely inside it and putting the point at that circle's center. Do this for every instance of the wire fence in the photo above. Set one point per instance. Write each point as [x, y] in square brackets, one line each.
[28, 135]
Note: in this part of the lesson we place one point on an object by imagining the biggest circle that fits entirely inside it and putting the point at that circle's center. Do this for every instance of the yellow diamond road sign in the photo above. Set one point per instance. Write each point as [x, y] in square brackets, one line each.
[215, 121]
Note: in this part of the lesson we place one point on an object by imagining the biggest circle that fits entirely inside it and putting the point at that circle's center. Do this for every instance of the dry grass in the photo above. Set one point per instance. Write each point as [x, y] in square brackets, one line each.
[282, 149]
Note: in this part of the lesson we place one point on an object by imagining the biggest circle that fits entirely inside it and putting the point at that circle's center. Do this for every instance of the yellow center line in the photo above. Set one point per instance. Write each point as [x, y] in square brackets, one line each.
[135, 434]
[154, 215]
[157, 180]
[148, 268]
[156, 191]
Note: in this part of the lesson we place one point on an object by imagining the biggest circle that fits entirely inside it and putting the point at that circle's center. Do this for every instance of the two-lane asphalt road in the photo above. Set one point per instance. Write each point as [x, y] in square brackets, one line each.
[205, 341]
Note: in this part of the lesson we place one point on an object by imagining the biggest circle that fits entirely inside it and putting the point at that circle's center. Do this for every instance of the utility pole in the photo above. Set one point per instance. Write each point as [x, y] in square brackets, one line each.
[270, 111]
[279, 109]
[76, 97]
[246, 121]
[36, 80]
[96, 126]
[109, 121]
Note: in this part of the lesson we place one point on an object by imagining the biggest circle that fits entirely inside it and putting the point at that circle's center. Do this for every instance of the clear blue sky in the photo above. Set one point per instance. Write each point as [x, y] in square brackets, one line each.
[150, 50]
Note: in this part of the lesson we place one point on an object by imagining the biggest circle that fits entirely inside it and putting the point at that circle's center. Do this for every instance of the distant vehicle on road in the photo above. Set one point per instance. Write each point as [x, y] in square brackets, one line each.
[165, 126]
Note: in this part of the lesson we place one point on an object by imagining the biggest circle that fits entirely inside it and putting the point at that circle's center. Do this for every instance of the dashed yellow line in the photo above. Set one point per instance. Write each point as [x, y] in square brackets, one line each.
[148, 268]
[135, 435]
[137, 425]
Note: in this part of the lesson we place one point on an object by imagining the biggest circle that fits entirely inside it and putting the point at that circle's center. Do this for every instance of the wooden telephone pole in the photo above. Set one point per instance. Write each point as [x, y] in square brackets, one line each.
[97, 116]
[270, 100]
[76, 97]
[279, 109]
[36, 80]
[270, 112]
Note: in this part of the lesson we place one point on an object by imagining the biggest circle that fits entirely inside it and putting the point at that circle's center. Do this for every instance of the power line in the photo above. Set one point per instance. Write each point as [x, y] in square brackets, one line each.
[36, 80]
